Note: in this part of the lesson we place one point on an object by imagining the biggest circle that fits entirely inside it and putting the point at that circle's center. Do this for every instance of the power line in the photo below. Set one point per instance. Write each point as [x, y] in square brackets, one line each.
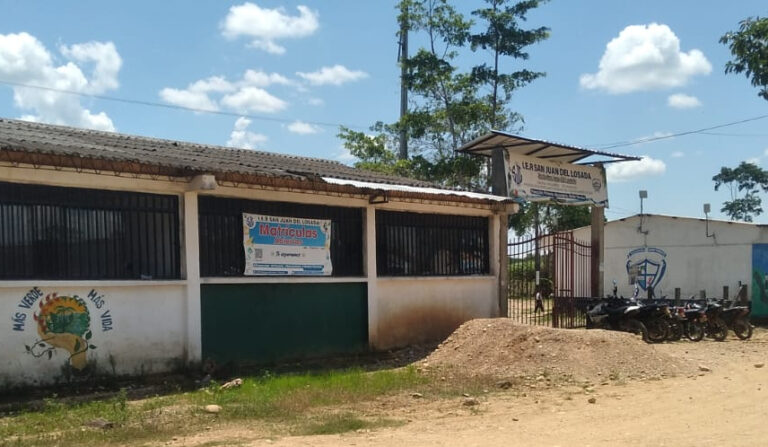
[679, 134]
[177, 107]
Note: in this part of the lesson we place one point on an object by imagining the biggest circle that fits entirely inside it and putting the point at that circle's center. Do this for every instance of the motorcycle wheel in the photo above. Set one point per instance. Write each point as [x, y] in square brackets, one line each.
[657, 330]
[742, 329]
[636, 327]
[675, 331]
[718, 329]
[694, 331]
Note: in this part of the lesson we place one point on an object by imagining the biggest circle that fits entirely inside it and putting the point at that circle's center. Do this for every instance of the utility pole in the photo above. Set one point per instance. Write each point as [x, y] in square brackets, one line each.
[403, 59]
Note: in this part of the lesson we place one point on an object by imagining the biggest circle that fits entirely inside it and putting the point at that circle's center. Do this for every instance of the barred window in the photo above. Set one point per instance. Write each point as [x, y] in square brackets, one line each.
[221, 233]
[412, 244]
[58, 233]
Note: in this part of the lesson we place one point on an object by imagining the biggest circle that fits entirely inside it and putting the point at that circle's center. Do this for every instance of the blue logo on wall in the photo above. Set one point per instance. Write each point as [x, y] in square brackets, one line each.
[647, 265]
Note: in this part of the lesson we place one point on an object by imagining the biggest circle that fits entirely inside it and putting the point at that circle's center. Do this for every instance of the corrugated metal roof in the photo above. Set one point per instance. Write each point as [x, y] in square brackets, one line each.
[538, 148]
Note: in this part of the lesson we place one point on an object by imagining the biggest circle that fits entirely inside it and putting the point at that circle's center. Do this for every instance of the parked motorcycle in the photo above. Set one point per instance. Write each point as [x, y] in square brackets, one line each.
[617, 315]
[737, 319]
[716, 326]
[655, 317]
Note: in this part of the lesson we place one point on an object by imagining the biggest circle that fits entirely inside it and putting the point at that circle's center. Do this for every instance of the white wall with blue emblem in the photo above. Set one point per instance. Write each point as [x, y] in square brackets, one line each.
[667, 252]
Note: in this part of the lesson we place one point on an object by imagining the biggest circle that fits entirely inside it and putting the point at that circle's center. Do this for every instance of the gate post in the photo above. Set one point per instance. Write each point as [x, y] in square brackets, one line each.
[503, 265]
[598, 239]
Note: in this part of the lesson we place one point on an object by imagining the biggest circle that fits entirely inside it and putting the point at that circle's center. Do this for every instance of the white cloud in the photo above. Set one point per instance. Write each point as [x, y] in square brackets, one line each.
[315, 101]
[682, 101]
[242, 138]
[765, 152]
[244, 95]
[265, 26]
[753, 160]
[645, 57]
[677, 154]
[24, 59]
[633, 170]
[258, 78]
[345, 156]
[336, 75]
[188, 98]
[302, 128]
[253, 99]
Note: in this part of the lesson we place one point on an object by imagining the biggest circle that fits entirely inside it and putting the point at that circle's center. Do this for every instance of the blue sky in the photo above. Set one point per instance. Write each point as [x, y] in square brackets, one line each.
[297, 63]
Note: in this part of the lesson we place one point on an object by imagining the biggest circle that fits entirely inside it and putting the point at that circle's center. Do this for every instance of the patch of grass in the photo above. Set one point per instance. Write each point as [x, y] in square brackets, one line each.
[278, 399]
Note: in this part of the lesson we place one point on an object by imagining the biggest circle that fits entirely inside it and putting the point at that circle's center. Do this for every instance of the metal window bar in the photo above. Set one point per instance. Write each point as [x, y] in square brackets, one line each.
[62, 233]
[221, 233]
[414, 244]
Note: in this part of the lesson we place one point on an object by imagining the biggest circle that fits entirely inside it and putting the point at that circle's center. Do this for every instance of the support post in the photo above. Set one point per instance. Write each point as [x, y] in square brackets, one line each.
[598, 241]
[370, 273]
[192, 263]
[498, 173]
[503, 265]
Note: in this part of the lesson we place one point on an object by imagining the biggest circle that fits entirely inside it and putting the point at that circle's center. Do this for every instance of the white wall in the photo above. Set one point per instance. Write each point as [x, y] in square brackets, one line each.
[414, 310]
[137, 328]
[694, 261]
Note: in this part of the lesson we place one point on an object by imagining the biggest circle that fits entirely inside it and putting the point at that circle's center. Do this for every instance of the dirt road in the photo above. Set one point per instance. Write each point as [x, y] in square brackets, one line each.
[726, 405]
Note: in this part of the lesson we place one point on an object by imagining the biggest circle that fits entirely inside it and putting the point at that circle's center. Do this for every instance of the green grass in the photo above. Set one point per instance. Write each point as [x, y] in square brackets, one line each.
[282, 400]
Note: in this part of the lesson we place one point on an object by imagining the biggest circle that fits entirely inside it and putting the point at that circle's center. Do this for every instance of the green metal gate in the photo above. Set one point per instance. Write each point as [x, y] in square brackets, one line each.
[267, 323]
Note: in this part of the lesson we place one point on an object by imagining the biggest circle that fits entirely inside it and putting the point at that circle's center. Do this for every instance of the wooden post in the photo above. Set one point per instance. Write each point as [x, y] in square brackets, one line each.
[598, 241]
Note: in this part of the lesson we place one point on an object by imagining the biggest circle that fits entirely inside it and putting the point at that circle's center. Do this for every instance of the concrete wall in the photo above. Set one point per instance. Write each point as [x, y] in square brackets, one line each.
[414, 310]
[157, 324]
[691, 260]
[131, 329]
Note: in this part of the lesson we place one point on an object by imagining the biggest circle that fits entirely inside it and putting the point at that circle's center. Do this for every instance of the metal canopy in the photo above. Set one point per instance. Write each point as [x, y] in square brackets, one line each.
[539, 148]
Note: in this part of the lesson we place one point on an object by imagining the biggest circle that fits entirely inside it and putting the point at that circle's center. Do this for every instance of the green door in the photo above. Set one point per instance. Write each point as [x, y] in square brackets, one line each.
[760, 281]
[266, 323]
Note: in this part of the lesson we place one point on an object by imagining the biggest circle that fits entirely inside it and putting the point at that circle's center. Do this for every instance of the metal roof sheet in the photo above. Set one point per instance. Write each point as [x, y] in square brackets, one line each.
[538, 148]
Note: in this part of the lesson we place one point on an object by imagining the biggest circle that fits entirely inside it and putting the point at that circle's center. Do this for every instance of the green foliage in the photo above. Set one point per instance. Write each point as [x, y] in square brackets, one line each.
[503, 37]
[552, 218]
[451, 105]
[744, 183]
[749, 47]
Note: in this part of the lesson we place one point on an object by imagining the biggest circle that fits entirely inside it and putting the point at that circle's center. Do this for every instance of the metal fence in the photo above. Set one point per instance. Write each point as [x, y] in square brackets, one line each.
[414, 244]
[59, 233]
[221, 233]
[557, 266]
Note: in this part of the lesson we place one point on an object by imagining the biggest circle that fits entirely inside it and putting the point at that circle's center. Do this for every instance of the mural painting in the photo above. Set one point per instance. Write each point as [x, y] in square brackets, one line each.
[63, 324]
[646, 267]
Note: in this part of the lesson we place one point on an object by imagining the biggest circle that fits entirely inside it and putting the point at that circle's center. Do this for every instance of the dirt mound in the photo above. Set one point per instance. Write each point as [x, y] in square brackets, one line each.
[502, 349]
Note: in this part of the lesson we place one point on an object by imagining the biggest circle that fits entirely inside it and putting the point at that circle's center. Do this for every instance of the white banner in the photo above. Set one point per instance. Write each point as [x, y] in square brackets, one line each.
[281, 246]
[535, 179]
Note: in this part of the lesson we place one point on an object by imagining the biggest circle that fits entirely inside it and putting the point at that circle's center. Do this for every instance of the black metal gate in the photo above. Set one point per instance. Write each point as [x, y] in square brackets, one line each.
[548, 278]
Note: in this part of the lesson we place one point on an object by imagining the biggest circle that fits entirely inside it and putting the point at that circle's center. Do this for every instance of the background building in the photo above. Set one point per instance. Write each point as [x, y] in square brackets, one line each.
[668, 252]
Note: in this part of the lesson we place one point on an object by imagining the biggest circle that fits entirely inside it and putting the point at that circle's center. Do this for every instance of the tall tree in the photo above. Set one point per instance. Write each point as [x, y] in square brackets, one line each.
[448, 106]
[744, 183]
[503, 37]
[749, 47]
